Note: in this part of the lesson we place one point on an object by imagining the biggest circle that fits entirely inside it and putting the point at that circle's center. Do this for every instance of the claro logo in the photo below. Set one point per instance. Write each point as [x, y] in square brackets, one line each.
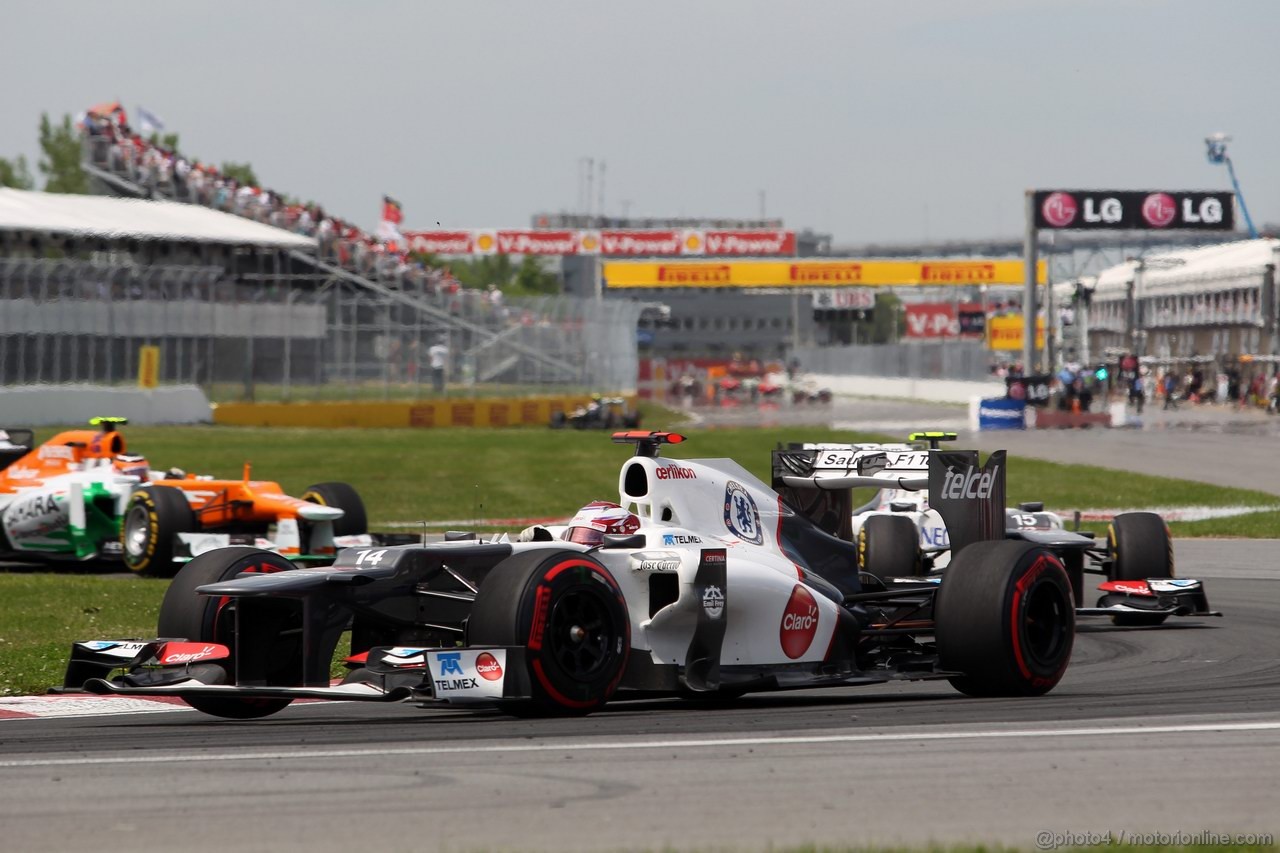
[969, 483]
[799, 623]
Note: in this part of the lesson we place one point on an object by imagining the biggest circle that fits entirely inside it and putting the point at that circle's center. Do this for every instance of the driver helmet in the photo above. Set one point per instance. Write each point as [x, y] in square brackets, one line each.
[593, 521]
[132, 465]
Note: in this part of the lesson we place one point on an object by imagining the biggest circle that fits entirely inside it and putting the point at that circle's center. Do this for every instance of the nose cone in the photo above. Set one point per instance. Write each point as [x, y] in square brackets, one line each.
[318, 512]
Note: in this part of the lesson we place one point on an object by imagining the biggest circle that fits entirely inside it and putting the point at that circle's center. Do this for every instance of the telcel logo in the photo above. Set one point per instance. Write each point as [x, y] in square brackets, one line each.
[969, 483]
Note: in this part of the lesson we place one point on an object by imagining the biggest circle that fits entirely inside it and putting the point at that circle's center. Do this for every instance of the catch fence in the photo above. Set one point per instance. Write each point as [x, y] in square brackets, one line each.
[281, 331]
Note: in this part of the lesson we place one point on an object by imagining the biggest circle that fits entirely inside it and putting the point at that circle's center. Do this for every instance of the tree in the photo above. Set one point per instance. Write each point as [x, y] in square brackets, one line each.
[167, 141]
[534, 278]
[14, 173]
[242, 173]
[60, 157]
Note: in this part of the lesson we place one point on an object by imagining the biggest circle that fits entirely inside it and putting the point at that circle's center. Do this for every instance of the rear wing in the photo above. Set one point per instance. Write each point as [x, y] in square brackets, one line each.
[817, 480]
[15, 444]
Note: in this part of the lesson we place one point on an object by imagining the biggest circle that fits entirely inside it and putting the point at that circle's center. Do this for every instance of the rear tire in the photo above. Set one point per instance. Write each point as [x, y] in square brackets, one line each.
[1140, 548]
[1005, 619]
[200, 618]
[354, 521]
[568, 613]
[152, 517]
[889, 546]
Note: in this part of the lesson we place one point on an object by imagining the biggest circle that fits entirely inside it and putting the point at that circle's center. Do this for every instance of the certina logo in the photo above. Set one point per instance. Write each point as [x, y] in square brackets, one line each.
[950, 273]
[1059, 209]
[799, 623]
[675, 472]
[826, 273]
[676, 274]
[713, 602]
[185, 654]
[969, 483]
[680, 539]
[1159, 209]
[488, 667]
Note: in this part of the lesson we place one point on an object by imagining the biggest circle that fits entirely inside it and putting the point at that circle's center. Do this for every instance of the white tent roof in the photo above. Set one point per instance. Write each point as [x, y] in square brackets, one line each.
[134, 219]
[1206, 269]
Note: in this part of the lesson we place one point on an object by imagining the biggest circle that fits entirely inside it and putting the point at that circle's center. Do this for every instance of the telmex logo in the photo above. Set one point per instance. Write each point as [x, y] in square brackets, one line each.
[826, 273]
[969, 483]
[958, 272]
[693, 273]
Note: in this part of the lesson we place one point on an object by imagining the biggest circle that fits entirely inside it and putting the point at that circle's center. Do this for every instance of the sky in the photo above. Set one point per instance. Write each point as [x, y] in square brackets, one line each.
[875, 122]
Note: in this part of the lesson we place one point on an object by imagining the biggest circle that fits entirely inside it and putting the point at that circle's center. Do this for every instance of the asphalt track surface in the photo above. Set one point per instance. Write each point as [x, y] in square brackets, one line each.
[1167, 730]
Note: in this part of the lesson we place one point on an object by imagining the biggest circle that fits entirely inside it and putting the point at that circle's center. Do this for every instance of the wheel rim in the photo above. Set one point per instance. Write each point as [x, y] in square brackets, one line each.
[582, 635]
[1045, 621]
[137, 531]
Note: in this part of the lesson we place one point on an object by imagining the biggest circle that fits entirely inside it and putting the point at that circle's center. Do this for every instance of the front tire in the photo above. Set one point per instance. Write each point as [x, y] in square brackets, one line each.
[1140, 548]
[1005, 619]
[354, 521]
[152, 517]
[200, 618]
[889, 546]
[569, 614]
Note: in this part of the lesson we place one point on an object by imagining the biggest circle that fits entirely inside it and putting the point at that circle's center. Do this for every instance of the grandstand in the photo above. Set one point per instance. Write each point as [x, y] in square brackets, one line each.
[253, 297]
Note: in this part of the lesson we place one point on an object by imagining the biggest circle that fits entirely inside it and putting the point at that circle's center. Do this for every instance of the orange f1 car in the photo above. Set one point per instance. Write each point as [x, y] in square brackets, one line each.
[81, 496]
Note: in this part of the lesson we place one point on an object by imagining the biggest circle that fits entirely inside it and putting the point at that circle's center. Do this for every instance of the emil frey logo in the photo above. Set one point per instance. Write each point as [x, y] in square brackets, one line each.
[741, 516]
[713, 602]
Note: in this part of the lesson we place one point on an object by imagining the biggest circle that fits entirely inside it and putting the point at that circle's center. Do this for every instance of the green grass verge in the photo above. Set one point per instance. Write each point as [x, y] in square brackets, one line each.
[409, 475]
[44, 613]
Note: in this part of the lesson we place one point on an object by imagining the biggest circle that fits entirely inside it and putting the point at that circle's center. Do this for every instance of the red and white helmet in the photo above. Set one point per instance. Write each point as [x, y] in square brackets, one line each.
[597, 518]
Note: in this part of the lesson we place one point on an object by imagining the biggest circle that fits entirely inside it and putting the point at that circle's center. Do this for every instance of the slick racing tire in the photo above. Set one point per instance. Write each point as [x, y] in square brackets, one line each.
[1005, 619]
[354, 521]
[889, 546]
[201, 618]
[1140, 548]
[558, 420]
[152, 517]
[568, 613]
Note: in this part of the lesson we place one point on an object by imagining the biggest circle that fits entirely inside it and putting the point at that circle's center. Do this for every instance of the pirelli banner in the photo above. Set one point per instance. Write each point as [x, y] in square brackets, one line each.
[813, 273]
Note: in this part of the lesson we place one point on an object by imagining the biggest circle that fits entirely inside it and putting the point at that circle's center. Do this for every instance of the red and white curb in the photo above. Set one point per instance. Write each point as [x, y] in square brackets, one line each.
[1175, 513]
[85, 705]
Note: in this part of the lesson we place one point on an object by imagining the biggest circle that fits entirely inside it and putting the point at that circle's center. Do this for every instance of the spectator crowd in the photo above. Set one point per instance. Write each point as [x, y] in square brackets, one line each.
[165, 173]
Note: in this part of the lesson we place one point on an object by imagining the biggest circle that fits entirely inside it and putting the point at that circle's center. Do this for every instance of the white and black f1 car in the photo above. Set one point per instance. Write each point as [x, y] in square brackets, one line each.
[700, 581]
[908, 530]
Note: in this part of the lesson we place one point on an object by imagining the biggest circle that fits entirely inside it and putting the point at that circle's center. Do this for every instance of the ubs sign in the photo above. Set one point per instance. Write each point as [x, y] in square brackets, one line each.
[1136, 210]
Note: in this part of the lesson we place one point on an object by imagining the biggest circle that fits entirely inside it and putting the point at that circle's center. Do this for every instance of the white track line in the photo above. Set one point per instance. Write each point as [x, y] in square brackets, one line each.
[693, 743]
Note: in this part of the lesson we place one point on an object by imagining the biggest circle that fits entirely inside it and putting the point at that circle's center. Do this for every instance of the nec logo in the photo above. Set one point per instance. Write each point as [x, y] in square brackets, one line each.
[969, 483]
